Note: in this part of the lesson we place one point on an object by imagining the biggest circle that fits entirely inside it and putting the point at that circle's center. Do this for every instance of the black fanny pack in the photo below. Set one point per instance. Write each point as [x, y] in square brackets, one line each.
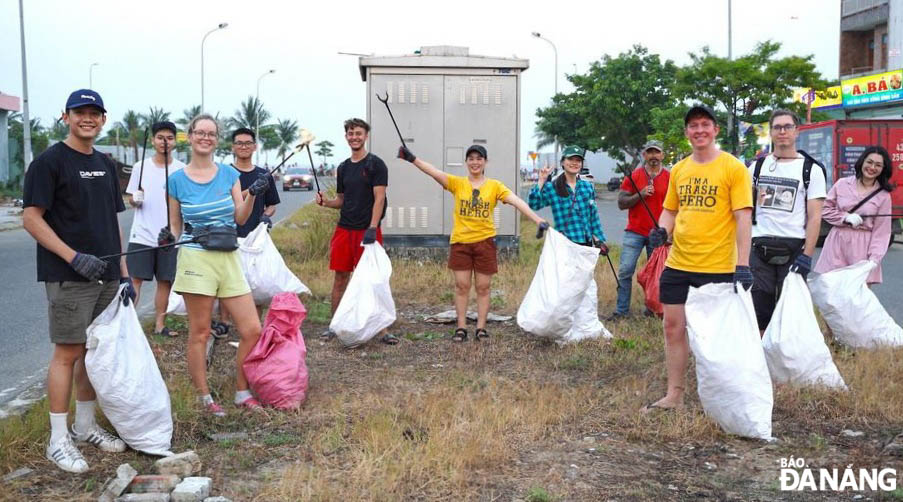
[777, 250]
[215, 238]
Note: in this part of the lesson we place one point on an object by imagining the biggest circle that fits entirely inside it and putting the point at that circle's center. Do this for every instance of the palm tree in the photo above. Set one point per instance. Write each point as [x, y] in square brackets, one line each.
[58, 131]
[130, 127]
[287, 131]
[250, 114]
[188, 114]
[155, 115]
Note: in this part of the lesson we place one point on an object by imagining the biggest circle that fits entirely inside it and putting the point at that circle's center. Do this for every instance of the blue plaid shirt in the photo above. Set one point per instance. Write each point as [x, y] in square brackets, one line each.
[576, 215]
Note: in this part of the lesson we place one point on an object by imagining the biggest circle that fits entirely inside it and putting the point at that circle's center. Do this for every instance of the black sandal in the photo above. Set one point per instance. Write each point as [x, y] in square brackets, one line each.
[460, 335]
[390, 339]
[219, 329]
[166, 332]
[481, 333]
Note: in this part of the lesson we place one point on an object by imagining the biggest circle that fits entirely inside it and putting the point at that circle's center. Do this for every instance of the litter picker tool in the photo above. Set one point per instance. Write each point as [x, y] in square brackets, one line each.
[144, 250]
[166, 173]
[143, 151]
[881, 215]
[385, 101]
[312, 168]
[642, 199]
[305, 138]
[612, 265]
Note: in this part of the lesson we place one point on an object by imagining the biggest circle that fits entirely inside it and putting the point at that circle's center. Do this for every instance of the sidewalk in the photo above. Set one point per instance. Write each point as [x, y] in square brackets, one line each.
[10, 216]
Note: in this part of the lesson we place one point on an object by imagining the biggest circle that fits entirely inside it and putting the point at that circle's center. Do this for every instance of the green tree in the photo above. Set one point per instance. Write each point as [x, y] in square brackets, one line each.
[130, 130]
[250, 114]
[187, 115]
[58, 131]
[668, 124]
[269, 138]
[40, 140]
[749, 86]
[154, 115]
[324, 150]
[287, 132]
[611, 106]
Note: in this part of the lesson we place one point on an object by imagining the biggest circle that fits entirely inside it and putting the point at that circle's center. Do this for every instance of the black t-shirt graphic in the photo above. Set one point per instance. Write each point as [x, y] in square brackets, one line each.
[80, 195]
[356, 181]
[270, 198]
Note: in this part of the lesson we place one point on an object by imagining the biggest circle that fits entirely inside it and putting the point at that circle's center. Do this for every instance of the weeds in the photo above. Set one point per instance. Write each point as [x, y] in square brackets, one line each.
[539, 494]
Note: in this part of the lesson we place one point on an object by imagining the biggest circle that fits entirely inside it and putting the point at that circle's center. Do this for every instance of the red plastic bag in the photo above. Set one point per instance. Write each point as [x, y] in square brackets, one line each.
[650, 275]
[275, 367]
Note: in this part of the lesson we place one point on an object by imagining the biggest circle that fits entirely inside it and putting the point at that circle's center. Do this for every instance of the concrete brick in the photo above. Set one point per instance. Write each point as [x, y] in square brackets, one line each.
[114, 488]
[144, 497]
[217, 499]
[153, 483]
[183, 464]
[192, 490]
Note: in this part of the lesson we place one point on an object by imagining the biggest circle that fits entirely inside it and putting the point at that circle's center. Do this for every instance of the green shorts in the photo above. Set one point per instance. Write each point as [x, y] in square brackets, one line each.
[210, 273]
[73, 305]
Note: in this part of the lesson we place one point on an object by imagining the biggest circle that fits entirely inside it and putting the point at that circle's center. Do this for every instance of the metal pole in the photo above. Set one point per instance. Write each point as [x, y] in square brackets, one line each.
[26, 124]
[555, 50]
[257, 113]
[730, 116]
[91, 75]
[219, 27]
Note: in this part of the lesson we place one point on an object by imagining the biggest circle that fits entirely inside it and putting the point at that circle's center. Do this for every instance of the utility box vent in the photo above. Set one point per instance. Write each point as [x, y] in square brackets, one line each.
[444, 50]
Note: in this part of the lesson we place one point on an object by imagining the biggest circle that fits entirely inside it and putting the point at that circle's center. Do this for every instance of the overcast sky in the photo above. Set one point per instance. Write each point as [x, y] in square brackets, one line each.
[149, 52]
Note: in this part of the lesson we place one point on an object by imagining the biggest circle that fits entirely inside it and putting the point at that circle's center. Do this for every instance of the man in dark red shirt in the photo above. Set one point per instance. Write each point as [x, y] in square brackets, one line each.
[652, 180]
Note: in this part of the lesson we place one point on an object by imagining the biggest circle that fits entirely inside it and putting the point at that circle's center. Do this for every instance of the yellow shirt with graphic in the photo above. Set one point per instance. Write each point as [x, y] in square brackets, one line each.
[474, 222]
[705, 197]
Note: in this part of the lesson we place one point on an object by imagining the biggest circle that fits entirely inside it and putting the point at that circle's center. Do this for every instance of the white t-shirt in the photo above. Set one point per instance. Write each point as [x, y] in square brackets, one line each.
[151, 216]
[781, 204]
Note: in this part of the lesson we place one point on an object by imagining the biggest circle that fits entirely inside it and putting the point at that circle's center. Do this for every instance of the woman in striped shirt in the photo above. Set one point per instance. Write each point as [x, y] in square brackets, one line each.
[207, 195]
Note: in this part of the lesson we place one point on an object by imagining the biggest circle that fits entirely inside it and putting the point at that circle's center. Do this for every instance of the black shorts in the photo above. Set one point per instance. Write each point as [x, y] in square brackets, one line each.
[674, 284]
[159, 263]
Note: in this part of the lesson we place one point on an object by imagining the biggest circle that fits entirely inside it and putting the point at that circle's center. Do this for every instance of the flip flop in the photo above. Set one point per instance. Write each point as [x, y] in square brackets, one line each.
[167, 332]
[652, 407]
[390, 339]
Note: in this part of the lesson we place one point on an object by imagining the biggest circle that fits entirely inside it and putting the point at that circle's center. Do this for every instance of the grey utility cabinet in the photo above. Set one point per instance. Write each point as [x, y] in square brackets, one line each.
[444, 100]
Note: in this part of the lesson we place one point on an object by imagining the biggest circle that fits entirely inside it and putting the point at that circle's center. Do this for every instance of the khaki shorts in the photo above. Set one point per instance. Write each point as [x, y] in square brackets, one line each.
[73, 305]
[210, 273]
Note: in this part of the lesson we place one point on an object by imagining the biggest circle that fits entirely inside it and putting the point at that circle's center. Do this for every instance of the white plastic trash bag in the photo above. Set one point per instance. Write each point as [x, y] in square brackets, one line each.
[586, 317]
[794, 345]
[367, 306]
[176, 304]
[851, 310]
[264, 267]
[731, 372]
[559, 288]
[129, 387]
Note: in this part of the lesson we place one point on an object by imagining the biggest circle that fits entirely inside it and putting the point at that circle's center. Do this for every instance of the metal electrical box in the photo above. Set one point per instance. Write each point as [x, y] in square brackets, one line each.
[444, 100]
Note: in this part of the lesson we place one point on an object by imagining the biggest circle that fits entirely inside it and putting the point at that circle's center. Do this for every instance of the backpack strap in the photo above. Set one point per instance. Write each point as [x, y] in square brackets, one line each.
[807, 174]
[755, 187]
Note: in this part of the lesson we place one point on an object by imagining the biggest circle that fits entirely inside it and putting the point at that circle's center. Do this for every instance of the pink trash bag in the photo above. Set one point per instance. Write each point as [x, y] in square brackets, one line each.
[275, 367]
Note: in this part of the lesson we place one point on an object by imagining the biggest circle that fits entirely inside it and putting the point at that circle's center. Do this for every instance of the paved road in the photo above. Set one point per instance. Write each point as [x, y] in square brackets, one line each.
[24, 345]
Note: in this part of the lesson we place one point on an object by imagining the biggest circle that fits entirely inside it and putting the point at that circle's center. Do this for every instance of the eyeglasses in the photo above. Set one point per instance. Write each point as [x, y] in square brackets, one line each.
[204, 134]
[243, 144]
[784, 128]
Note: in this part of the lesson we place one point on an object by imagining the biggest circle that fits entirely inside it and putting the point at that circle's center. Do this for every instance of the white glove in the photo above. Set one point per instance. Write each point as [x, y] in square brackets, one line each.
[138, 197]
[853, 219]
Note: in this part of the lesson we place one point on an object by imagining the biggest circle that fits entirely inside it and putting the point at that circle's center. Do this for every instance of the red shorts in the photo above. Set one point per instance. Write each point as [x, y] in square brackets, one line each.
[345, 248]
[481, 257]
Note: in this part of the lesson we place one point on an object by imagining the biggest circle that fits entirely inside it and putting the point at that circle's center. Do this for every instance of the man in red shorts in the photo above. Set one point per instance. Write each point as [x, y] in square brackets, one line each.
[361, 182]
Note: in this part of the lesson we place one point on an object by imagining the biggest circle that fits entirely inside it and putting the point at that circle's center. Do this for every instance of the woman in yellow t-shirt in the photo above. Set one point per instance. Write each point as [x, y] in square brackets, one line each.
[472, 254]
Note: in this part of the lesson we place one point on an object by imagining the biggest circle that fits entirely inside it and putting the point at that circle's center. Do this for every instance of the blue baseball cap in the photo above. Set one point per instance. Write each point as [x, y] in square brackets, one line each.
[85, 97]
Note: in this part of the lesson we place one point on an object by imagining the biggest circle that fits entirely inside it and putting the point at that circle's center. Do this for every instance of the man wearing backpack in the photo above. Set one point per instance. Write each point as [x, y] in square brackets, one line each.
[783, 235]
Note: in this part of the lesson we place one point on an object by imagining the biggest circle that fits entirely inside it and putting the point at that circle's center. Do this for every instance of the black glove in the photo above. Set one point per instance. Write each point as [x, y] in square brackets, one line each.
[404, 153]
[165, 237]
[744, 276]
[369, 236]
[129, 293]
[658, 237]
[541, 229]
[260, 185]
[802, 265]
[266, 219]
[88, 266]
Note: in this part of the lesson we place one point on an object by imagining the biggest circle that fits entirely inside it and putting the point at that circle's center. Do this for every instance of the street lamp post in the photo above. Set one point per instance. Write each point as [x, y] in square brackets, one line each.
[26, 121]
[219, 27]
[257, 112]
[555, 50]
[91, 75]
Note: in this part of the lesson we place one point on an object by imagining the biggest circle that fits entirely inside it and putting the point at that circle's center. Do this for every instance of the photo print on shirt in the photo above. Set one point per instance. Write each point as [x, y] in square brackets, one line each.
[777, 193]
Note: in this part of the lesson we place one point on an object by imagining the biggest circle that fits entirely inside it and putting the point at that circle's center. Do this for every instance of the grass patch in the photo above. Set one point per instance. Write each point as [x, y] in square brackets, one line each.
[539, 494]
[427, 336]
[319, 312]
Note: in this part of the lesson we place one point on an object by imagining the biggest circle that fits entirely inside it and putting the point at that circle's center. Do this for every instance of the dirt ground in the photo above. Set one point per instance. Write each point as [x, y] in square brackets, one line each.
[357, 436]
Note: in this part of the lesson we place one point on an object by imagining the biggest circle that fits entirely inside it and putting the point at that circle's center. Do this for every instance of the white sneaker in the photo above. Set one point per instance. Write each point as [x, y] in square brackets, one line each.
[66, 456]
[100, 438]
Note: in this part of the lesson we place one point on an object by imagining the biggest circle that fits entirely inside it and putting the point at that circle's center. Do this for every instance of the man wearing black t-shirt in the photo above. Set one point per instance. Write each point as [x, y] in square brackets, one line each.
[71, 199]
[244, 144]
[361, 198]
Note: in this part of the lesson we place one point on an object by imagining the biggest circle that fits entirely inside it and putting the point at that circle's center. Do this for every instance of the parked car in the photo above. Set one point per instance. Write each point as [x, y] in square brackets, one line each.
[297, 177]
[614, 183]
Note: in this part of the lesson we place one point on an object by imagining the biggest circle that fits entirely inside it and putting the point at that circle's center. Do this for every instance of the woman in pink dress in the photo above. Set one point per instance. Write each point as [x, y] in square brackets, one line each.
[859, 235]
